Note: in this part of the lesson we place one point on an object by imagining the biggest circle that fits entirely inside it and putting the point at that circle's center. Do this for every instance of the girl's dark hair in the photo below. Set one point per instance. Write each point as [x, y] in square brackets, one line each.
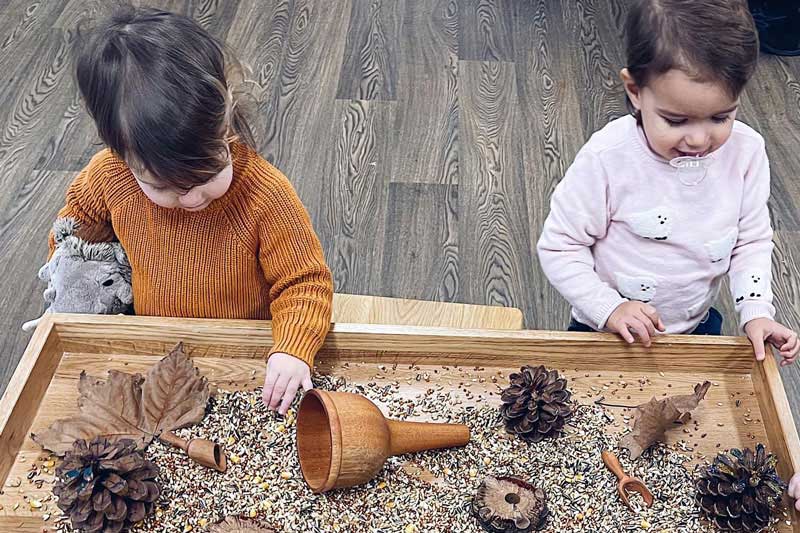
[157, 86]
[712, 40]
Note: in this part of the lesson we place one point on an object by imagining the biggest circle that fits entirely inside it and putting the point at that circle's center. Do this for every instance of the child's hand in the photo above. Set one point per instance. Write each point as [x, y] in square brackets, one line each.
[794, 490]
[639, 317]
[285, 374]
[759, 330]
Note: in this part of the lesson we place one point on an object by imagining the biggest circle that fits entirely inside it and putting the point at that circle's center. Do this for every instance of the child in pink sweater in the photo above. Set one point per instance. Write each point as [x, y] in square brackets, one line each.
[658, 206]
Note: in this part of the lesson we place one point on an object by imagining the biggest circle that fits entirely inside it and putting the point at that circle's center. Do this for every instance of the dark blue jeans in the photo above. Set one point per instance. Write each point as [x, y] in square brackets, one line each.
[711, 325]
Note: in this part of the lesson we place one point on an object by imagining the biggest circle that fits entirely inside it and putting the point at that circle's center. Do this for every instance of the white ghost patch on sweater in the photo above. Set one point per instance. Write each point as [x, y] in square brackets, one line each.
[751, 285]
[653, 224]
[721, 248]
[639, 288]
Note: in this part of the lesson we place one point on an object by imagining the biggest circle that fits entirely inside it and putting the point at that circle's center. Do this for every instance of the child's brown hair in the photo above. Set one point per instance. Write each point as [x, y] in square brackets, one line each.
[157, 86]
[710, 40]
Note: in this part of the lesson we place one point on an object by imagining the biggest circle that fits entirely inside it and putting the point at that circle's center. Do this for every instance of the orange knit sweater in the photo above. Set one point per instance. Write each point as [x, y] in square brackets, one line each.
[251, 254]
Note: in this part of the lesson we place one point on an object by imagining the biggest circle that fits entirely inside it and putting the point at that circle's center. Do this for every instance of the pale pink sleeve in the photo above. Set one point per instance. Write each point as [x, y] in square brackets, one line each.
[751, 259]
[579, 216]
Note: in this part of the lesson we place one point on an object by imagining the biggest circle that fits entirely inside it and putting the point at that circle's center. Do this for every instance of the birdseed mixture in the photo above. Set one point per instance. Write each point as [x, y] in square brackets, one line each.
[426, 492]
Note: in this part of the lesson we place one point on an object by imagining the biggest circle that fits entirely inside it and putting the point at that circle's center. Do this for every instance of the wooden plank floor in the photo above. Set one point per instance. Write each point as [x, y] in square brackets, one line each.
[424, 136]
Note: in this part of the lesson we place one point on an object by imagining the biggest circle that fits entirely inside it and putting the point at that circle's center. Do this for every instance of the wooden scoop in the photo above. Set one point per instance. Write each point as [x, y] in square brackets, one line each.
[201, 451]
[626, 483]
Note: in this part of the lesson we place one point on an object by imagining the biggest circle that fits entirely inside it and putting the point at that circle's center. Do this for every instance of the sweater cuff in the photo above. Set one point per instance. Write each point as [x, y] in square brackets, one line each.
[297, 340]
[753, 309]
[600, 312]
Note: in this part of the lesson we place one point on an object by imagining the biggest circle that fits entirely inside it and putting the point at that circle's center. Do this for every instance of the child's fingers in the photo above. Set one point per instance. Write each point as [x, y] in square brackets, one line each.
[649, 322]
[790, 345]
[652, 314]
[793, 486]
[277, 391]
[757, 340]
[307, 383]
[640, 328]
[790, 355]
[288, 396]
[269, 384]
[623, 331]
[790, 358]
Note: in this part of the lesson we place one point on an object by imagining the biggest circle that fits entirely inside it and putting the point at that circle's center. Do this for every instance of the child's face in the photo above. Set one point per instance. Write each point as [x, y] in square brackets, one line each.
[195, 199]
[682, 116]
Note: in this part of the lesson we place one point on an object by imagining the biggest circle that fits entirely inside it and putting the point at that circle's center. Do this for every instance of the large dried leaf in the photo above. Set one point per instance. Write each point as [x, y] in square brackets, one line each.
[173, 395]
[654, 418]
[233, 524]
[108, 408]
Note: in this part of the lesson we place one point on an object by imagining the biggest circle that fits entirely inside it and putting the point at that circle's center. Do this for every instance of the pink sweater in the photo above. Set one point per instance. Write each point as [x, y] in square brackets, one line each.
[624, 224]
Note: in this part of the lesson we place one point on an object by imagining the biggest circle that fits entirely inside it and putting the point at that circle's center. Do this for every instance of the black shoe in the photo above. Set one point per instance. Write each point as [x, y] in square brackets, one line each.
[778, 24]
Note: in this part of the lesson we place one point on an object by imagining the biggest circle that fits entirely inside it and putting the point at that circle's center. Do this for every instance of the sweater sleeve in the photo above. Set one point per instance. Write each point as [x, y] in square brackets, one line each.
[86, 203]
[751, 259]
[301, 283]
[579, 216]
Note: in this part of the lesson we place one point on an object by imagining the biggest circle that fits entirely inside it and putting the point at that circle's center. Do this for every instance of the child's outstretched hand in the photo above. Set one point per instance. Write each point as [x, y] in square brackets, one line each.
[794, 490]
[285, 374]
[785, 340]
[638, 317]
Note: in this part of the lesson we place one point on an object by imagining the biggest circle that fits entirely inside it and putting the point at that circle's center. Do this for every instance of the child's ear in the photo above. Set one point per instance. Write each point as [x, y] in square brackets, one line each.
[631, 88]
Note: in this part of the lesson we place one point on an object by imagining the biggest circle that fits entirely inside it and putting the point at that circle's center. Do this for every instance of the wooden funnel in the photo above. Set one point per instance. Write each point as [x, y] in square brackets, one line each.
[343, 439]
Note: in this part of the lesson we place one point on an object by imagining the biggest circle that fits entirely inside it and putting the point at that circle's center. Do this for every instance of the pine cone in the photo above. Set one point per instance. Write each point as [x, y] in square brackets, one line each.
[740, 490]
[106, 486]
[537, 404]
[509, 505]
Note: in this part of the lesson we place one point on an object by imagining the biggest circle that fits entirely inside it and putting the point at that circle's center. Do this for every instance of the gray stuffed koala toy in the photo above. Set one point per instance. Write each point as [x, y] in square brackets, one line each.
[85, 277]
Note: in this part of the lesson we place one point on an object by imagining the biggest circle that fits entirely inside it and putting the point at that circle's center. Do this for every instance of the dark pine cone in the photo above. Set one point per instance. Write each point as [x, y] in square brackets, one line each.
[537, 404]
[509, 505]
[740, 490]
[106, 486]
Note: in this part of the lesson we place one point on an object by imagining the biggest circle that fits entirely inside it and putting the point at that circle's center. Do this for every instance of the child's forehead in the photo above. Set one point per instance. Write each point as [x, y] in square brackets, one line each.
[678, 93]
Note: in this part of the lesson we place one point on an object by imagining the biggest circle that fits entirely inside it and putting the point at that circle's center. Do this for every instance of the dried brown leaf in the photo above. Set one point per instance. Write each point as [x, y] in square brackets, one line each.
[108, 408]
[173, 395]
[234, 524]
[654, 418]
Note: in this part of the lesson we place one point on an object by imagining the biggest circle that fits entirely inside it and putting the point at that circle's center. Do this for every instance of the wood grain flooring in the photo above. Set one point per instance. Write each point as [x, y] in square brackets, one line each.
[424, 136]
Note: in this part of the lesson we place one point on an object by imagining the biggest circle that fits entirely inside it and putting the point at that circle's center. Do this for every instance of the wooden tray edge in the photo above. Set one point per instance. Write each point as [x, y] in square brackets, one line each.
[25, 391]
[406, 343]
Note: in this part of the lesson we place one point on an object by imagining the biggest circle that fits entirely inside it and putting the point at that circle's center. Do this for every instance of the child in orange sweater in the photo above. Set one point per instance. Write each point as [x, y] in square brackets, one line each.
[211, 229]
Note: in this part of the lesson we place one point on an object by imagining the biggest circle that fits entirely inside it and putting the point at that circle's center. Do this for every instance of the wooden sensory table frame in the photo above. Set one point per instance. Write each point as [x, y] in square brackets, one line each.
[231, 353]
